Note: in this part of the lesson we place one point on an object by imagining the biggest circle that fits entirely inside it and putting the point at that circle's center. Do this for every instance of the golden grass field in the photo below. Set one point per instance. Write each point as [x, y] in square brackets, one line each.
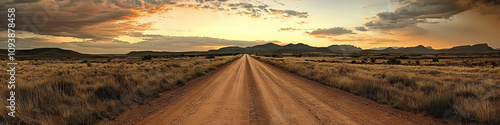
[472, 93]
[84, 91]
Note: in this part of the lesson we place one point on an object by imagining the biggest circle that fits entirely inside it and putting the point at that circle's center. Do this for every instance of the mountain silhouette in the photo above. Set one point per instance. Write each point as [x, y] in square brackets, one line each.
[344, 49]
[48, 53]
[264, 48]
[478, 48]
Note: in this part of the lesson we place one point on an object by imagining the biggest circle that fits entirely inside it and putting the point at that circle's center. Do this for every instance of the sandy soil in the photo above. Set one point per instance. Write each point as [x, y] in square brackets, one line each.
[248, 91]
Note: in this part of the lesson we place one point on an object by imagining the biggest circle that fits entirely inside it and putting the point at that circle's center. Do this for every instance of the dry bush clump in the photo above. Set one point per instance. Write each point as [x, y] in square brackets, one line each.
[84, 91]
[472, 93]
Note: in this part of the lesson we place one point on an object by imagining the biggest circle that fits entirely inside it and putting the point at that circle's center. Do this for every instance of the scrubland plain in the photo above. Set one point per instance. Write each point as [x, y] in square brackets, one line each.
[86, 90]
[456, 93]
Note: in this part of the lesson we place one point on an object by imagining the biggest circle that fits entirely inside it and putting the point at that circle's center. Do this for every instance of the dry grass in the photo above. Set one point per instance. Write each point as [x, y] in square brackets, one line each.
[84, 91]
[474, 93]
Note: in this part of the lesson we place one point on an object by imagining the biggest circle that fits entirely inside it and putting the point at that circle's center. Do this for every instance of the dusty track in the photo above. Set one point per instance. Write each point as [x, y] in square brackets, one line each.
[248, 91]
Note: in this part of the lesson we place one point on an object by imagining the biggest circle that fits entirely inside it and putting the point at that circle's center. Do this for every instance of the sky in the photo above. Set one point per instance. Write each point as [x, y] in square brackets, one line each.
[121, 26]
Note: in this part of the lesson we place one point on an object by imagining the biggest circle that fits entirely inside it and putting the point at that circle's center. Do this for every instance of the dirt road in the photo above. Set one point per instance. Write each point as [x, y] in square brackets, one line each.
[248, 91]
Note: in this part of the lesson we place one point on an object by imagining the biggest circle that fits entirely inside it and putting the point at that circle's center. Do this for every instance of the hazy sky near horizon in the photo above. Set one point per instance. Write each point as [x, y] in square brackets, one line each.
[113, 26]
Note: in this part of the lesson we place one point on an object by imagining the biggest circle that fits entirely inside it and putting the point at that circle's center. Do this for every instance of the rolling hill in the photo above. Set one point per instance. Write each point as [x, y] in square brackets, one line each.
[48, 53]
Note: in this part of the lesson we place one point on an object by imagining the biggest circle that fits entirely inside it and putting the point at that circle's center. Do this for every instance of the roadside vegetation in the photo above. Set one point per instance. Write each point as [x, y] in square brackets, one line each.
[457, 93]
[86, 90]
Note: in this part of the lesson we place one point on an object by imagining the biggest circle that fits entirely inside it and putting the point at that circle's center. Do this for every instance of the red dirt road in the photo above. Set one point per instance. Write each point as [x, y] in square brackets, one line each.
[248, 91]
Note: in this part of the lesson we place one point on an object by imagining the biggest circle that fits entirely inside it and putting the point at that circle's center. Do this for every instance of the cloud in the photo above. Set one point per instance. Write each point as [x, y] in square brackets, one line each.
[253, 10]
[289, 29]
[263, 9]
[392, 24]
[419, 11]
[331, 32]
[289, 13]
[301, 22]
[370, 18]
[361, 28]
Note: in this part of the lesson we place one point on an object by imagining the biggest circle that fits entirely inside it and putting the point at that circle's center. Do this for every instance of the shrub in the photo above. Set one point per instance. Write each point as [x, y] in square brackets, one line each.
[148, 57]
[210, 57]
[393, 61]
[466, 94]
[494, 64]
[64, 86]
[370, 90]
[400, 78]
[180, 83]
[108, 92]
[435, 60]
[200, 73]
[437, 103]
[481, 111]
[345, 69]
[428, 89]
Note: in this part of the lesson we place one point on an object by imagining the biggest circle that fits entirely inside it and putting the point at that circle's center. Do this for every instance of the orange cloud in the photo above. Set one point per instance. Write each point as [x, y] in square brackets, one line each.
[370, 18]
[399, 7]
[192, 6]
[255, 16]
[289, 13]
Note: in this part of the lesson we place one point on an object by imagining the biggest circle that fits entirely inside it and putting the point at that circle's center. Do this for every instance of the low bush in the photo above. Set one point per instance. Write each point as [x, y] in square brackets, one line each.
[437, 103]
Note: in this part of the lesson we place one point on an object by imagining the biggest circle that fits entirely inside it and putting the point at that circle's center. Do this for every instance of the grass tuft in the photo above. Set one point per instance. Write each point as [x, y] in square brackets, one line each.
[437, 103]
[108, 92]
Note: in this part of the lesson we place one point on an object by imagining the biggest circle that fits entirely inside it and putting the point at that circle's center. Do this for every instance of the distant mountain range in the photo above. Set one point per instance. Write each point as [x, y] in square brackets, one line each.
[264, 48]
[271, 48]
[301, 48]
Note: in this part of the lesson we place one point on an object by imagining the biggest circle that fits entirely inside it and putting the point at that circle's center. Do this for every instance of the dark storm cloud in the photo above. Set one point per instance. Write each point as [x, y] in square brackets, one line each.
[418, 11]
